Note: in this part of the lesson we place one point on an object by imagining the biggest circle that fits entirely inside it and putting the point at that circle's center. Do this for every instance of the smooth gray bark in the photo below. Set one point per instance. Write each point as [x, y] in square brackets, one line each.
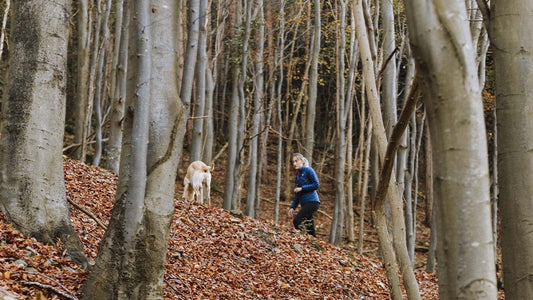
[91, 84]
[279, 61]
[365, 165]
[82, 75]
[100, 88]
[389, 81]
[386, 247]
[252, 197]
[191, 52]
[137, 237]
[309, 142]
[398, 225]
[114, 145]
[230, 201]
[32, 187]
[442, 46]
[510, 26]
[336, 235]
[198, 105]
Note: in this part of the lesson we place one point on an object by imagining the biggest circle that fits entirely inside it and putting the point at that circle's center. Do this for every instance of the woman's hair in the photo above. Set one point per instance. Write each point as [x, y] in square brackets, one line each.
[302, 158]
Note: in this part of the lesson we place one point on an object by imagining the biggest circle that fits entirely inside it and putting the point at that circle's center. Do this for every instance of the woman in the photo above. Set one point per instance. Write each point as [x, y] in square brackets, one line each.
[305, 194]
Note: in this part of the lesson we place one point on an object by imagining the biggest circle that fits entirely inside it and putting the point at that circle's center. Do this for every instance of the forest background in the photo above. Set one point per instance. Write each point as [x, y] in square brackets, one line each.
[356, 86]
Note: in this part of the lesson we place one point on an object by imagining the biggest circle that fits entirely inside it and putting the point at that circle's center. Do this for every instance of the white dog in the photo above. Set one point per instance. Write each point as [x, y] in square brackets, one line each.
[198, 174]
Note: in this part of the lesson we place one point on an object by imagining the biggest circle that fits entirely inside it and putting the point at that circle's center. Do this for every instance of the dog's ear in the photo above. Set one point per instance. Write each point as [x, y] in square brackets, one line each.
[212, 167]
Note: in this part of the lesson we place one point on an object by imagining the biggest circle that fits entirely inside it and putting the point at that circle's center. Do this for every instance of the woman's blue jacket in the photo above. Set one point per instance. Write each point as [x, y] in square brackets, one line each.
[306, 179]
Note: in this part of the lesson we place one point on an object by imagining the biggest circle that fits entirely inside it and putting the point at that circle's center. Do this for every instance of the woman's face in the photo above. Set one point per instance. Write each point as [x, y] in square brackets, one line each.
[297, 163]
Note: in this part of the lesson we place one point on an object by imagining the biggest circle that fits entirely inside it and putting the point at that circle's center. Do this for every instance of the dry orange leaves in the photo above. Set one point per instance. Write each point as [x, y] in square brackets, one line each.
[212, 254]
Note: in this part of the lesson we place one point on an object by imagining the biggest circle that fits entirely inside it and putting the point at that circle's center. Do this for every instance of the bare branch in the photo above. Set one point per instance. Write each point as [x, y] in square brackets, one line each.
[87, 212]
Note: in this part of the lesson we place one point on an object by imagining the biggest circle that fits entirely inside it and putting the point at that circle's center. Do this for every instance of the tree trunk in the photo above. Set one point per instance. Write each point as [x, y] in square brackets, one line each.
[351, 156]
[309, 141]
[154, 129]
[364, 186]
[241, 83]
[91, 81]
[342, 107]
[191, 53]
[99, 82]
[407, 173]
[416, 164]
[82, 76]
[410, 207]
[510, 31]
[3, 30]
[258, 80]
[430, 266]
[442, 46]
[114, 146]
[32, 187]
[230, 202]
[389, 84]
[199, 101]
[280, 60]
[429, 178]
[398, 226]
[368, 76]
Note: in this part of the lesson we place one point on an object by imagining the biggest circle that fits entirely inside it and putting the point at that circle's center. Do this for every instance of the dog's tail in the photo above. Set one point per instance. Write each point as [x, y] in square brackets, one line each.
[212, 167]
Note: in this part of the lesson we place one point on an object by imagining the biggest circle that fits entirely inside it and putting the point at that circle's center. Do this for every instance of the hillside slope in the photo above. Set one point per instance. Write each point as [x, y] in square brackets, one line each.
[213, 254]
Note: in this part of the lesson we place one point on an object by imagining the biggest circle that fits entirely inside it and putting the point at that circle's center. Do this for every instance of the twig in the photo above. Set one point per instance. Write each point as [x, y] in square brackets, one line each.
[485, 11]
[90, 214]
[175, 289]
[49, 287]
[68, 294]
[394, 143]
[380, 74]
[79, 144]
[89, 138]
[49, 278]
[220, 152]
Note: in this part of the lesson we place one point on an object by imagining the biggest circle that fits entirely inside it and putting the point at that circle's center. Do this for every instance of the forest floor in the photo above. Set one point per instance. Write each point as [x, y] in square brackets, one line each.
[213, 253]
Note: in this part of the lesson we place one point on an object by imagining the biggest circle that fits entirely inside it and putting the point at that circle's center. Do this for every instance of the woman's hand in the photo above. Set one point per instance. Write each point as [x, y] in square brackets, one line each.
[291, 212]
[297, 190]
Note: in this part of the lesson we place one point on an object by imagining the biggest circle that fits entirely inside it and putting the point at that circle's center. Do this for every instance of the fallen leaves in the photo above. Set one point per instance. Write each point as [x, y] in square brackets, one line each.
[212, 254]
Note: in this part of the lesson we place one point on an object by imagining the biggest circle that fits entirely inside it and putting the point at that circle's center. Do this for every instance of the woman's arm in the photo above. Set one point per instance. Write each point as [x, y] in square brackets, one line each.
[312, 182]
[295, 202]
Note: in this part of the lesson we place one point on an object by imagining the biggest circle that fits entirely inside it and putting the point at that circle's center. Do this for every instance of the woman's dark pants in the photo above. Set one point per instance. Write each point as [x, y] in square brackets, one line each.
[304, 220]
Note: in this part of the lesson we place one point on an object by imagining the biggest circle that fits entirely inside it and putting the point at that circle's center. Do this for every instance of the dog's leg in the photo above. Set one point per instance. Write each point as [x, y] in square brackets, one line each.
[208, 188]
[185, 189]
[202, 194]
[198, 193]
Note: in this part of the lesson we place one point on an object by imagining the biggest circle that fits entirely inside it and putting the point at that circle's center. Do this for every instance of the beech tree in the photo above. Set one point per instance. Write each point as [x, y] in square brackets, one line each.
[398, 249]
[510, 25]
[198, 106]
[309, 142]
[131, 257]
[252, 197]
[231, 188]
[32, 187]
[343, 106]
[82, 75]
[118, 88]
[442, 46]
